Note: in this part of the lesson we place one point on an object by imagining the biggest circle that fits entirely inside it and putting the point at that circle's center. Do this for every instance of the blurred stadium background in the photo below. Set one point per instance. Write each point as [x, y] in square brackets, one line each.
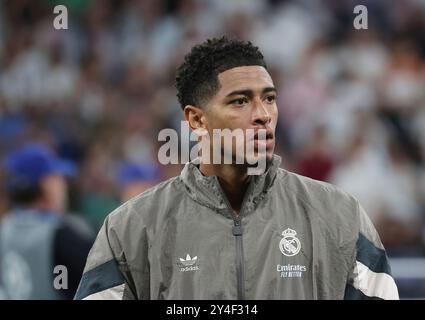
[351, 102]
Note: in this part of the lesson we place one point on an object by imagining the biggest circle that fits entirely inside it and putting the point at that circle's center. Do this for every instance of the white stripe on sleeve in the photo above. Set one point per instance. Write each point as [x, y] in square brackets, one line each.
[372, 284]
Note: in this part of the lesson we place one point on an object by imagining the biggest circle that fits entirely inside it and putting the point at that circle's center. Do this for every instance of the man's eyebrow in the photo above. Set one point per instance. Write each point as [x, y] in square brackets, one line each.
[269, 89]
[249, 93]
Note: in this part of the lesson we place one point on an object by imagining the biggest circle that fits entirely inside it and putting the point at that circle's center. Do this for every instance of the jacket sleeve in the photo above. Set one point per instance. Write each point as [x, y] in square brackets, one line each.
[371, 273]
[105, 275]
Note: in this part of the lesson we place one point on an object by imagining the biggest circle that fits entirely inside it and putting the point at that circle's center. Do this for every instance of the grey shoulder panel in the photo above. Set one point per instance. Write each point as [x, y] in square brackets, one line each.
[367, 228]
[147, 210]
[333, 208]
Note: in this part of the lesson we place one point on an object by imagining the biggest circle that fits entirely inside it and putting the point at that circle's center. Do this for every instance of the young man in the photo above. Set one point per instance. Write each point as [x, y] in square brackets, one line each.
[36, 235]
[215, 232]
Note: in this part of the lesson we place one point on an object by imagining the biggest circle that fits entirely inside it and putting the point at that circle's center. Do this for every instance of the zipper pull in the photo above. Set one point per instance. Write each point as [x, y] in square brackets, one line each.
[237, 228]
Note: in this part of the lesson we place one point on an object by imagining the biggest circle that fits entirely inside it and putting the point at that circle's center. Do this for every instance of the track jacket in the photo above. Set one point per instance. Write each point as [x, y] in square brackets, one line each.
[295, 238]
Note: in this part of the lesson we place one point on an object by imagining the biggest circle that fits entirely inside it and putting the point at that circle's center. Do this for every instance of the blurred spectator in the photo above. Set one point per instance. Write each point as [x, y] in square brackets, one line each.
[36, 235]
[316, 161]
[134, 178]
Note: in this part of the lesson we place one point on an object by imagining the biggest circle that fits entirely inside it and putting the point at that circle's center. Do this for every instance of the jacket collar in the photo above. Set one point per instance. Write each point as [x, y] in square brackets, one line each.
[208, 192]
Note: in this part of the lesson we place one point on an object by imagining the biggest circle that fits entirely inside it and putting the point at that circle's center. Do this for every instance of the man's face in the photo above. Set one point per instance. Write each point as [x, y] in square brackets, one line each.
[246, 100]
[55, 193]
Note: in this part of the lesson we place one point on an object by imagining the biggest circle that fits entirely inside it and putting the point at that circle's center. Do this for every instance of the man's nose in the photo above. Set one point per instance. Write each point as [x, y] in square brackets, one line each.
[261, 114]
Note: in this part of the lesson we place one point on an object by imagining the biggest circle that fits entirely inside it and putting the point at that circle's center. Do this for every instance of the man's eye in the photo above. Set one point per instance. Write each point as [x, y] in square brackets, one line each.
[240, 101]
[270, 99]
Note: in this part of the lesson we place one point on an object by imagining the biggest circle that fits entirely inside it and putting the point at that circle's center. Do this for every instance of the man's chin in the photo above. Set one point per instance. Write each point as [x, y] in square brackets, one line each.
[247, 159]
[259, 163]
[268, 154]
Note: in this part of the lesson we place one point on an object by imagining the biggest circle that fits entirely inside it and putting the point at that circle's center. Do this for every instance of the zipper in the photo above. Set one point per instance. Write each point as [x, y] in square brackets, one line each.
[237, 232]
[240, 265]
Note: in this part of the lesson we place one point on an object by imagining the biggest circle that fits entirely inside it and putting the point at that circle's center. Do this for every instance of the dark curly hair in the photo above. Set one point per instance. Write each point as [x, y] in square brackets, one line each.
[197, 80]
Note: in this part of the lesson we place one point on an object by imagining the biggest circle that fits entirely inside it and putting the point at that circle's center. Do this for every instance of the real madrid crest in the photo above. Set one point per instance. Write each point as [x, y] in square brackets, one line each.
[289, 245]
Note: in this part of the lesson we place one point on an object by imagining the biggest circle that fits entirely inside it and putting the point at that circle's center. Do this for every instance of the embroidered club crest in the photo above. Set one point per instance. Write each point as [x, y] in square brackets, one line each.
[289, 245]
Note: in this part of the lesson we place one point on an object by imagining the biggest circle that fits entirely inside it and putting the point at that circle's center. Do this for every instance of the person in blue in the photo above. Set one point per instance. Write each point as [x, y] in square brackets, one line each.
[134, 178]
[36, 235]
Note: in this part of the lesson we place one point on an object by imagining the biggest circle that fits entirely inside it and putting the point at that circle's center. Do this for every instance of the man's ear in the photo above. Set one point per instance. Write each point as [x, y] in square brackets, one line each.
[195, 117]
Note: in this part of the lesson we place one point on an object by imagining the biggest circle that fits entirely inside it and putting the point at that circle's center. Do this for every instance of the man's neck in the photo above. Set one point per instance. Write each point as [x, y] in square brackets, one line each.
[233, 179]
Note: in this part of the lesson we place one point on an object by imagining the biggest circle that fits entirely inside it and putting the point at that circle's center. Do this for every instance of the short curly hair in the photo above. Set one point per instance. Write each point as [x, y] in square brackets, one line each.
[197, 77]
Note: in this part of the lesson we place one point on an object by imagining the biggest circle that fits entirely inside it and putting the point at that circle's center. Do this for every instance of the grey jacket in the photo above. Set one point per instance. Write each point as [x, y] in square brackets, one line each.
[27, 255]
[295, 238]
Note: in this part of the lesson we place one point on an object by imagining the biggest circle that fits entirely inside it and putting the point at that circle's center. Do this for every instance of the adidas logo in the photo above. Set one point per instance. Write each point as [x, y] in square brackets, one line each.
[188, 261]
[188, 264]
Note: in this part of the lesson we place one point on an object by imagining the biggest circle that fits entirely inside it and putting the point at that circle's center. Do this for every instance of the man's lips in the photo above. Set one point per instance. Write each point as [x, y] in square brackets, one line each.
[267, 143]
[269, 135]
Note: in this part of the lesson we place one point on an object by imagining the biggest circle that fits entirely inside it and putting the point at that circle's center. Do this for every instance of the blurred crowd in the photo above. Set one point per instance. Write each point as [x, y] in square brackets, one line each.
[351, 102]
